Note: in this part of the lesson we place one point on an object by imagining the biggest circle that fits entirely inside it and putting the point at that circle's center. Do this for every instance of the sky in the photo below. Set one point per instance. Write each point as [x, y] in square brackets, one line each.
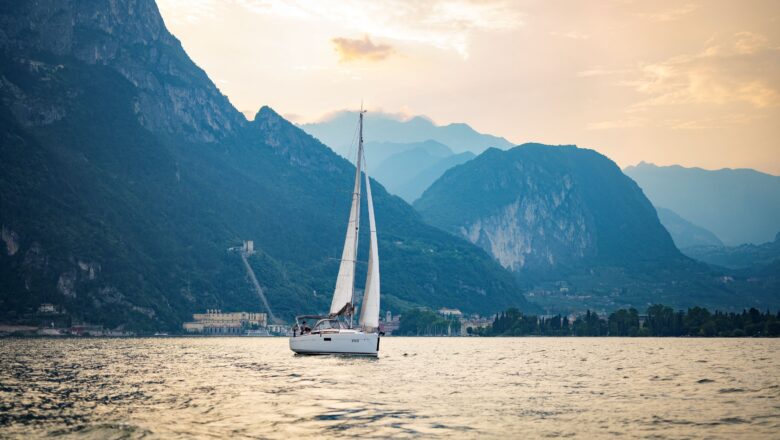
[668, 82]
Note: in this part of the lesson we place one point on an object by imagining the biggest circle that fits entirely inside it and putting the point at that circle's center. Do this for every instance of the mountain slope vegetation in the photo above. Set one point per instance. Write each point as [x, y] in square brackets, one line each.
[127, 175]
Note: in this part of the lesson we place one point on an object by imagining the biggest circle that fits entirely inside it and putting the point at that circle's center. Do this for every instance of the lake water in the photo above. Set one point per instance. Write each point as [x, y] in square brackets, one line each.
[418, 387]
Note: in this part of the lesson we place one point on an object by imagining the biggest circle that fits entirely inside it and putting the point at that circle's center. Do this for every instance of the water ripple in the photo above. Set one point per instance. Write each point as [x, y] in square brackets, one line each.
[418, 387]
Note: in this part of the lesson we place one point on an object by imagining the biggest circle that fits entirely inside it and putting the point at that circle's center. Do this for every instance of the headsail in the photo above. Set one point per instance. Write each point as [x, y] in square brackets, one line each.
[345, 283]
[369, 311]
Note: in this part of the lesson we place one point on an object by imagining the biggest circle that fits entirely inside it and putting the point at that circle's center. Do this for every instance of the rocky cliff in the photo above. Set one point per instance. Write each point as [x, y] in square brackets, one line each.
[173, 95]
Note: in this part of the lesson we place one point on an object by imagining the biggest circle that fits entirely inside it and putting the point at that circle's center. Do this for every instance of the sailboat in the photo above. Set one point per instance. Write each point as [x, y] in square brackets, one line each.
[335, 333]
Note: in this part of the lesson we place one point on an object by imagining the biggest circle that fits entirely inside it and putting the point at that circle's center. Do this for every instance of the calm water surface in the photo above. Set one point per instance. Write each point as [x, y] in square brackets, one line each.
[418, 387]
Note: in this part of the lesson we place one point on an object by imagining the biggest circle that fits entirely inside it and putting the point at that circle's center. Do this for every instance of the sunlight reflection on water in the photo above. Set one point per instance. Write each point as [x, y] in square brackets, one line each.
[426, 387]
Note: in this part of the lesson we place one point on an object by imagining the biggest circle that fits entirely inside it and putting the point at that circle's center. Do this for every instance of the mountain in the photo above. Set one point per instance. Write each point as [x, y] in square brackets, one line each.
[413, 187]
[538, 207]
[684, 233]
[337, 131]
[737, 205]
[400, 167]
[746, 256]
[126, 176]
[378, 152]
[409, 172]
[406, 155]
[575, 230]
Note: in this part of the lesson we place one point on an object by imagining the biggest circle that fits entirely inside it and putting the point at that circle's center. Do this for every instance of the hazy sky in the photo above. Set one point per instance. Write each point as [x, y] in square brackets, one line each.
[667, 82]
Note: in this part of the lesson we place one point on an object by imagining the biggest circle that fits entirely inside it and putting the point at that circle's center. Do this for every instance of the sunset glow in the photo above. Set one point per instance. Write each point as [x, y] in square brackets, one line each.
[696, 84]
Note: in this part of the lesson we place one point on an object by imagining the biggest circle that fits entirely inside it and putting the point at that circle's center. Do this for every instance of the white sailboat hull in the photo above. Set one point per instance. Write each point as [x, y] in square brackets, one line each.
[341, 342]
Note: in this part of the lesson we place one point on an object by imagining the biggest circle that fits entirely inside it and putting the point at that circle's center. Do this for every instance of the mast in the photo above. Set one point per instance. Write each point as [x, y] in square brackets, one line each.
[357, 207]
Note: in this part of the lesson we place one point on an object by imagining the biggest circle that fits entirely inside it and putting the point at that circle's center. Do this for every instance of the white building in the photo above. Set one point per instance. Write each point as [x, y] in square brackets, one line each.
[214, 322]
[450, 312]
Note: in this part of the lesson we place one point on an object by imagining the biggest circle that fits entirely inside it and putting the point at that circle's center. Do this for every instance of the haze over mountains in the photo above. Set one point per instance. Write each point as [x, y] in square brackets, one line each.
[737, 205]
[415, 167]
[761, 258]
[126, 176]
[684, 233]
[337, 131]
[404, 154]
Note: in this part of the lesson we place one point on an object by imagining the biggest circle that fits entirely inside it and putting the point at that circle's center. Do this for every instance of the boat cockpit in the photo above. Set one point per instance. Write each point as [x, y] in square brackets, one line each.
[322, 324]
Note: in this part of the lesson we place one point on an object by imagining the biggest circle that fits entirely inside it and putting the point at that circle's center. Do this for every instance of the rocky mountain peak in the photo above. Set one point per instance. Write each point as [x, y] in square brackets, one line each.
[128, 36]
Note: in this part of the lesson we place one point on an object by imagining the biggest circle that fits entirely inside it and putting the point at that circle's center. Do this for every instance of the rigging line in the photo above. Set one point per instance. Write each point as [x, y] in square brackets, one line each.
[365, 163]
[349, 155]
[353, 143]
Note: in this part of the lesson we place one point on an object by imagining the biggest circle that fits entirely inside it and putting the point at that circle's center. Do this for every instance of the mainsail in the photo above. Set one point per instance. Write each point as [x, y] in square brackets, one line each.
[369, 311]
[345, 283]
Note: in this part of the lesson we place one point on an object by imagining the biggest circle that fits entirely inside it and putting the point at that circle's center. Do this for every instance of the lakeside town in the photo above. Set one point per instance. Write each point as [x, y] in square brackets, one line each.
[658, 320]
[50, 320]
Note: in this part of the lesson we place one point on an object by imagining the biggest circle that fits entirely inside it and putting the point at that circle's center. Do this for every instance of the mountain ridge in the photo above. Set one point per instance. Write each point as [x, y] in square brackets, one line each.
[576, 231]
[385, 127]
[738, 205]
[127, 175]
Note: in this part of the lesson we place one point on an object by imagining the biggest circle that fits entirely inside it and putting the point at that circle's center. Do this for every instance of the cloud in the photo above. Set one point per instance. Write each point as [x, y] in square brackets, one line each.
[670, 14]
[742, 43]
[743, 68]
[573, 35]
[712, 122]
[601, 72]
[444, 24]
[361, 49]
[630, 122]
[700, 123]
[189, 11]
[731, 82]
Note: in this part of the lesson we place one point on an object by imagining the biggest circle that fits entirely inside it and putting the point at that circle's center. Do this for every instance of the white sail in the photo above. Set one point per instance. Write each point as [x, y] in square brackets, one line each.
[345, 283]
[369, 311]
